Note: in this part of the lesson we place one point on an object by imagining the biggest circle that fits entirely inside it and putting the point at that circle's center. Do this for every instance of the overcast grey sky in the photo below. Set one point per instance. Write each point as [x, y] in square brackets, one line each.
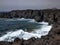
[6, 5]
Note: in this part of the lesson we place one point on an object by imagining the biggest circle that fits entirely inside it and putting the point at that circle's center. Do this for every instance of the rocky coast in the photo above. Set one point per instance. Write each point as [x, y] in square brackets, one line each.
[52, 16]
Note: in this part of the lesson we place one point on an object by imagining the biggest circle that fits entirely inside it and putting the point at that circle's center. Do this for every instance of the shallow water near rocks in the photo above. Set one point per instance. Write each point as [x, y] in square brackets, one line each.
[22, 28]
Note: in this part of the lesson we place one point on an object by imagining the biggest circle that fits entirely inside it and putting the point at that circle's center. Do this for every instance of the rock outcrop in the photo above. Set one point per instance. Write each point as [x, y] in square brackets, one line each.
[48, 15]
[51, 16]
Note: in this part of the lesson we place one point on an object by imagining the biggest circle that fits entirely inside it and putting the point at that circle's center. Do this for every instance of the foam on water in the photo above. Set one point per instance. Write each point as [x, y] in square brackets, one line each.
[37, 33]
[15, 19]
[10, 36]
[30, 20]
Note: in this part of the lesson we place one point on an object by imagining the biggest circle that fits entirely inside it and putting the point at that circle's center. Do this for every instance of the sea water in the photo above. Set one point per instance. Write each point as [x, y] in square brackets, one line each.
[22, 28]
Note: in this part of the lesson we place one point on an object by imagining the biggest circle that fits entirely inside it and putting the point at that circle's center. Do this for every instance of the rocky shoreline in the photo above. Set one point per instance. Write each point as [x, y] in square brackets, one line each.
[48, 15]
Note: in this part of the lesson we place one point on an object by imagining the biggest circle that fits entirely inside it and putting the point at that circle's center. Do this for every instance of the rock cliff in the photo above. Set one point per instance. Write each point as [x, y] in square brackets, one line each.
[48, 15]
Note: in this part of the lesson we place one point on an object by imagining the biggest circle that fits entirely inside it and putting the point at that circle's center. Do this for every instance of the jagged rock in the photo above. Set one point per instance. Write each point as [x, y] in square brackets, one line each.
[17, 41]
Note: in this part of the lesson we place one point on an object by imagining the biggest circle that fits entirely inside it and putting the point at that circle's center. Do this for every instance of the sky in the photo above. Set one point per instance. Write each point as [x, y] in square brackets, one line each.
[7, 5]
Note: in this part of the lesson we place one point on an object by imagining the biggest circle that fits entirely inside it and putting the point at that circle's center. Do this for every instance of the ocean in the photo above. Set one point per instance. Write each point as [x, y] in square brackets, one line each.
[22, 28]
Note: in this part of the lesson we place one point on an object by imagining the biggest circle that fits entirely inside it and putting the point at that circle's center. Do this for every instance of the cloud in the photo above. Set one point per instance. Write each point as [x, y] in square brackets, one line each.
[24, 4]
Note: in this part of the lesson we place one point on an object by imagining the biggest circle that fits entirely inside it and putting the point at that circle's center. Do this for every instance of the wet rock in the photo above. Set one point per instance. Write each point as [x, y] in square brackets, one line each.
[17, 41]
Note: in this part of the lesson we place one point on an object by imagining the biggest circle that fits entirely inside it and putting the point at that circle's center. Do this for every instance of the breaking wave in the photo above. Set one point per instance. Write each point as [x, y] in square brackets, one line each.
[20, 33]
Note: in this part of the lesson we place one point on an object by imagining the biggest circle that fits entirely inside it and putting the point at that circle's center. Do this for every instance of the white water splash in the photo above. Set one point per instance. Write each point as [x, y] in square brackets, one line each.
[37, 33]
[10, 36]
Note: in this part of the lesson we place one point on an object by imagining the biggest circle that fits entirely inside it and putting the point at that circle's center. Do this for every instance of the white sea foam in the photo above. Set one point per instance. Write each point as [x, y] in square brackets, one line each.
[45, 23]
[26, 35]
[30, 20]
[37, 33]
[17, 19]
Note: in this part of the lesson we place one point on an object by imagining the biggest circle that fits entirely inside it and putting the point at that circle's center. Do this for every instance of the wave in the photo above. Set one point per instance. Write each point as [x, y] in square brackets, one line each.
[37, 33]
[17, 19]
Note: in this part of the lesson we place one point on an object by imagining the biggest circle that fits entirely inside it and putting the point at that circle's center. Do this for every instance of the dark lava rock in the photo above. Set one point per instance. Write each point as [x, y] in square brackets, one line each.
[17, 41]
[5, 43]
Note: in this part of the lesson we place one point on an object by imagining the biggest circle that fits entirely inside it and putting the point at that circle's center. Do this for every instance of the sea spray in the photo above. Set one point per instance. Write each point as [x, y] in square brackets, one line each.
[26, 35]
